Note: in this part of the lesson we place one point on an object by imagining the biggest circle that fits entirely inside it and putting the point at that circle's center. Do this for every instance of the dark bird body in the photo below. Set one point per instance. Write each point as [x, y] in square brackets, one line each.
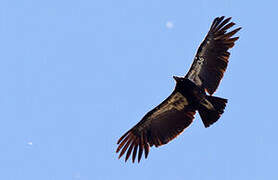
[175, 113]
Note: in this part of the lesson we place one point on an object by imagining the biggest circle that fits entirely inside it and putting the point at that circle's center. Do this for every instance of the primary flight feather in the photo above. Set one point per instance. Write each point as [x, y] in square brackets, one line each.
[175, 113]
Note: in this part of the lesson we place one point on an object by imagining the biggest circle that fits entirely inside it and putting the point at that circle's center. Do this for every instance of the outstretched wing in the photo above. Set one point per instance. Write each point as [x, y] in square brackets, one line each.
[212, 56]
[158, 127]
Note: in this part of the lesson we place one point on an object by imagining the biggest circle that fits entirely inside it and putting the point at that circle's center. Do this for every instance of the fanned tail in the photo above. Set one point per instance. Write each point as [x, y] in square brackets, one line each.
[211, 115]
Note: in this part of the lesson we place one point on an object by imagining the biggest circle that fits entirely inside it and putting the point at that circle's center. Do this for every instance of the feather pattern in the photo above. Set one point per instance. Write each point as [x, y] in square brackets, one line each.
[158, 127]
[212, 56]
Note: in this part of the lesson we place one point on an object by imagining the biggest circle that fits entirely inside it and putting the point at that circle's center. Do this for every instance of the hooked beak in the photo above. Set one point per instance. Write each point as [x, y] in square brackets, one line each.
[176, 78]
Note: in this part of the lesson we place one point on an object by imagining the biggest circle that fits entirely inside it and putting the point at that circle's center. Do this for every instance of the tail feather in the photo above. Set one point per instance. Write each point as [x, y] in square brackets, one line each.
[210, 116]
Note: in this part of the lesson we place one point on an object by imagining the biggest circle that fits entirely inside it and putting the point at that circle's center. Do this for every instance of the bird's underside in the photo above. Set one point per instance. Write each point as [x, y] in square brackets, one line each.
[176, 113]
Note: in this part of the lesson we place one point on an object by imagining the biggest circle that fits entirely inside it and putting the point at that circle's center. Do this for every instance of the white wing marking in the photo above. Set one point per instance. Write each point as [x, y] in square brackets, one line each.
[194, 73]
[178, 101]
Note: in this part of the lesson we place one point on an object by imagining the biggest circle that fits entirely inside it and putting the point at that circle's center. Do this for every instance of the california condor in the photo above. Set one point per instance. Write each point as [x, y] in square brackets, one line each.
[192, 93]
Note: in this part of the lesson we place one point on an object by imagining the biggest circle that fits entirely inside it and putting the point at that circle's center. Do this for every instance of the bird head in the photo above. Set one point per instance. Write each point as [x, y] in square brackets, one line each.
[180, 82]
[178, 79]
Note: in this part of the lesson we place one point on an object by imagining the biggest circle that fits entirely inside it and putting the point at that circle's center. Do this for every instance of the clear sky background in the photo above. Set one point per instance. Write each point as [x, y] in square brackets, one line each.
[76, 75]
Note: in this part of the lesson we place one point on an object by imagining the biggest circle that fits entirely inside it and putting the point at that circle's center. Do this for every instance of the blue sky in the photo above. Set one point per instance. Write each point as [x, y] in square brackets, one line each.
[76, 75]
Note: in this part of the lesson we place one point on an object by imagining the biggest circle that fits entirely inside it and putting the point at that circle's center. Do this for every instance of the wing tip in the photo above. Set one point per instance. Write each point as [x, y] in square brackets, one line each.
[221, 24]
[130, 143]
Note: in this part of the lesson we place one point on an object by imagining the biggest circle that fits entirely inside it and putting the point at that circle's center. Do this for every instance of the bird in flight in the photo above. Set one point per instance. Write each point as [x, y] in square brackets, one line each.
[192, 93]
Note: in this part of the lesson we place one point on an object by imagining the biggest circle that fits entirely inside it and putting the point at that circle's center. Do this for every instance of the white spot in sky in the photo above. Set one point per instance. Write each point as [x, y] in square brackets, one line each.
[169, 25]
[30, 143]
